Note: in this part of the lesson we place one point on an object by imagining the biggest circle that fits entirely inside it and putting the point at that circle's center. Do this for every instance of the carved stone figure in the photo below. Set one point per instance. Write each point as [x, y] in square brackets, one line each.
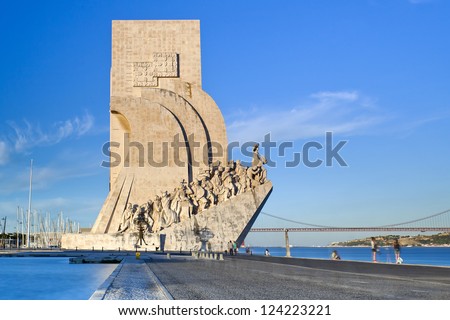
[228, 183]
[127, 217]
[157, 215]
[222, 193]
[140, 221]
[257, 158]
[257, 173]
[241, 172]
[209, 187]
[216, 181]
[149, 215]
[169, 216]
[141, 225]
[237, 183]
[184, 204]
[200, 196]
[205, 173]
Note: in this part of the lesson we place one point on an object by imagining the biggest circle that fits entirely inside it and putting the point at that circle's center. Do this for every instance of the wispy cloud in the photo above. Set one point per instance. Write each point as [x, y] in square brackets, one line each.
[406, 128]
[343, 112]
[24, 136]
[43, 177]
[27, 135]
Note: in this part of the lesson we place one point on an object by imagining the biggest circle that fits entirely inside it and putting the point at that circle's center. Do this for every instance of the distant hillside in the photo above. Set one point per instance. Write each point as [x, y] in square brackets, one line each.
[440, 239]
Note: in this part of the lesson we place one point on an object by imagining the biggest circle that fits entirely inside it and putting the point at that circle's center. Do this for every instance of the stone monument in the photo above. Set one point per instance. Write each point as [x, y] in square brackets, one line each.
[171, 183]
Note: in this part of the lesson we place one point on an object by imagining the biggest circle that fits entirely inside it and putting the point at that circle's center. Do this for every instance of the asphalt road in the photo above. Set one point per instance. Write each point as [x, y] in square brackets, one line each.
[263, 278]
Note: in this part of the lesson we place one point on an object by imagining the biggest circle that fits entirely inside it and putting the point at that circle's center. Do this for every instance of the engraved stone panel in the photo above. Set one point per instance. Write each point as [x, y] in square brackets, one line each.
[144, 75]
[164, 65]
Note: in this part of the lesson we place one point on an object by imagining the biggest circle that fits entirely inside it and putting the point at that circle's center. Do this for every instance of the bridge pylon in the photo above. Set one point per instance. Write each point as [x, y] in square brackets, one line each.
[288, 247]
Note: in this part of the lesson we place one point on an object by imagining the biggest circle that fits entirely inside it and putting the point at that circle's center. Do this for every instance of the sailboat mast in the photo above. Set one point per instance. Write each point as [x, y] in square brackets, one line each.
[29, 205]
[17, 228]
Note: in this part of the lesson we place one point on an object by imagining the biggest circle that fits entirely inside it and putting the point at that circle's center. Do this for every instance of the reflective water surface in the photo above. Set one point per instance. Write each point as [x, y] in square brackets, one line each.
[33, 278]
[434, 256]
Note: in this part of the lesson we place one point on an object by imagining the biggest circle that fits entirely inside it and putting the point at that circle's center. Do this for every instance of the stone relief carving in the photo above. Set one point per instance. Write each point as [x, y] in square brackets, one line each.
[213, 185]
[257, 172]
[127, 218]
[188, 89]
[169, 216]
[164, 65]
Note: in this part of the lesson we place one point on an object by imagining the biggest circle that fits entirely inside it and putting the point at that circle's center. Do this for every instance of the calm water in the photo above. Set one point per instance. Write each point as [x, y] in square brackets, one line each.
[49, 278]
[413, 255]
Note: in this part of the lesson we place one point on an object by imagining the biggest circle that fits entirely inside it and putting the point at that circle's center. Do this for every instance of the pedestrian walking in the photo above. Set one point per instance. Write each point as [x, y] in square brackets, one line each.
[398, 259]
[374, 246]
[230, 247]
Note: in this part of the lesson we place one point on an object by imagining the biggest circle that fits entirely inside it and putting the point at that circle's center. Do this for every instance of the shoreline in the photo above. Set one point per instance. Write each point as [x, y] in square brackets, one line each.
[277, 252]
[359, 246]
[75, 253]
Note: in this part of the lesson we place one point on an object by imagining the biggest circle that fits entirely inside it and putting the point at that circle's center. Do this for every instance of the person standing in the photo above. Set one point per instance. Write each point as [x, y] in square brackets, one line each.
[230, 248]
[335, 255]
[374, 246]
[235, 247]
[396, 246]
[267, 253]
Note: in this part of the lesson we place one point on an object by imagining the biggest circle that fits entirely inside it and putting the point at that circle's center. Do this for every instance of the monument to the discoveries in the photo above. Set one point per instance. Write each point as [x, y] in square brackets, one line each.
[171, 184]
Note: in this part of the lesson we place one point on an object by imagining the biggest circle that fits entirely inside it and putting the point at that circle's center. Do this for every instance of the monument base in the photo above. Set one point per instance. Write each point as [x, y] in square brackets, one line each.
[220, 223]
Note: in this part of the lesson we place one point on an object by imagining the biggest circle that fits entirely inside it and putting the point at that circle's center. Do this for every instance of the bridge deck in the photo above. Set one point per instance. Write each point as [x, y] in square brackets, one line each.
[351, 229]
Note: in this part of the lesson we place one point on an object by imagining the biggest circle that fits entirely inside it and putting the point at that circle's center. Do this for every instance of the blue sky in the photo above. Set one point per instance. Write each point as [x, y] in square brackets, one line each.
[375, 73]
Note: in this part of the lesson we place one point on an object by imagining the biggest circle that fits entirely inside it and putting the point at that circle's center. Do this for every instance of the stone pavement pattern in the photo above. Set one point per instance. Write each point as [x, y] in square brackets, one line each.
[242, 279]
[135, 281]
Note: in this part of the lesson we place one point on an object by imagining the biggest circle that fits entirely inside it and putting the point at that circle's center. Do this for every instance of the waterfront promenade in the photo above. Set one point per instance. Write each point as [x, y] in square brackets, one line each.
[156, 277]
[257, 277]
[132, 280]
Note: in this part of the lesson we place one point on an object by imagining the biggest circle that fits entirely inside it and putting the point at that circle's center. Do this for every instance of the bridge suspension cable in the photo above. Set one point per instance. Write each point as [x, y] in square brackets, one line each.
[297, 222]
[436, 215]
[416, 220]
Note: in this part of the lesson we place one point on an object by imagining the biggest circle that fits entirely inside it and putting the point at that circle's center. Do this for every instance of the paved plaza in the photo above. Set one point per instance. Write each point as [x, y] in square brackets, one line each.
[270, 278]
[182, 277]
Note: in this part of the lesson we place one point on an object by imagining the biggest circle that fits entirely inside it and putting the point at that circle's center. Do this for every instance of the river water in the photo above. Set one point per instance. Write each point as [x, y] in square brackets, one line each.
[47, 278]
[433, 256]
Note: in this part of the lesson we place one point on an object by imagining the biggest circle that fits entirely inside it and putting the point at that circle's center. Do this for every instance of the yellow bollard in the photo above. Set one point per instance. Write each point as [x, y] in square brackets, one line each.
[138, 255]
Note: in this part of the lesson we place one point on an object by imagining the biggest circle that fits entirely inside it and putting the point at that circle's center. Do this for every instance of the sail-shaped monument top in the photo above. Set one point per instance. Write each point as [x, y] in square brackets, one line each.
[167, 128]
[152, 54]
[171, 183]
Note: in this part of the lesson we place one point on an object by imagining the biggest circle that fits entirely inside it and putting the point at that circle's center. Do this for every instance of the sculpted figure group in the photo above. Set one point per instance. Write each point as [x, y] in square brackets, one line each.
[213, 185]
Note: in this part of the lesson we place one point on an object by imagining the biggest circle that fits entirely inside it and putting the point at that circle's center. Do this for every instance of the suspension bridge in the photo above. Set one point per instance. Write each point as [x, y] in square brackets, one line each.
[438, 222]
